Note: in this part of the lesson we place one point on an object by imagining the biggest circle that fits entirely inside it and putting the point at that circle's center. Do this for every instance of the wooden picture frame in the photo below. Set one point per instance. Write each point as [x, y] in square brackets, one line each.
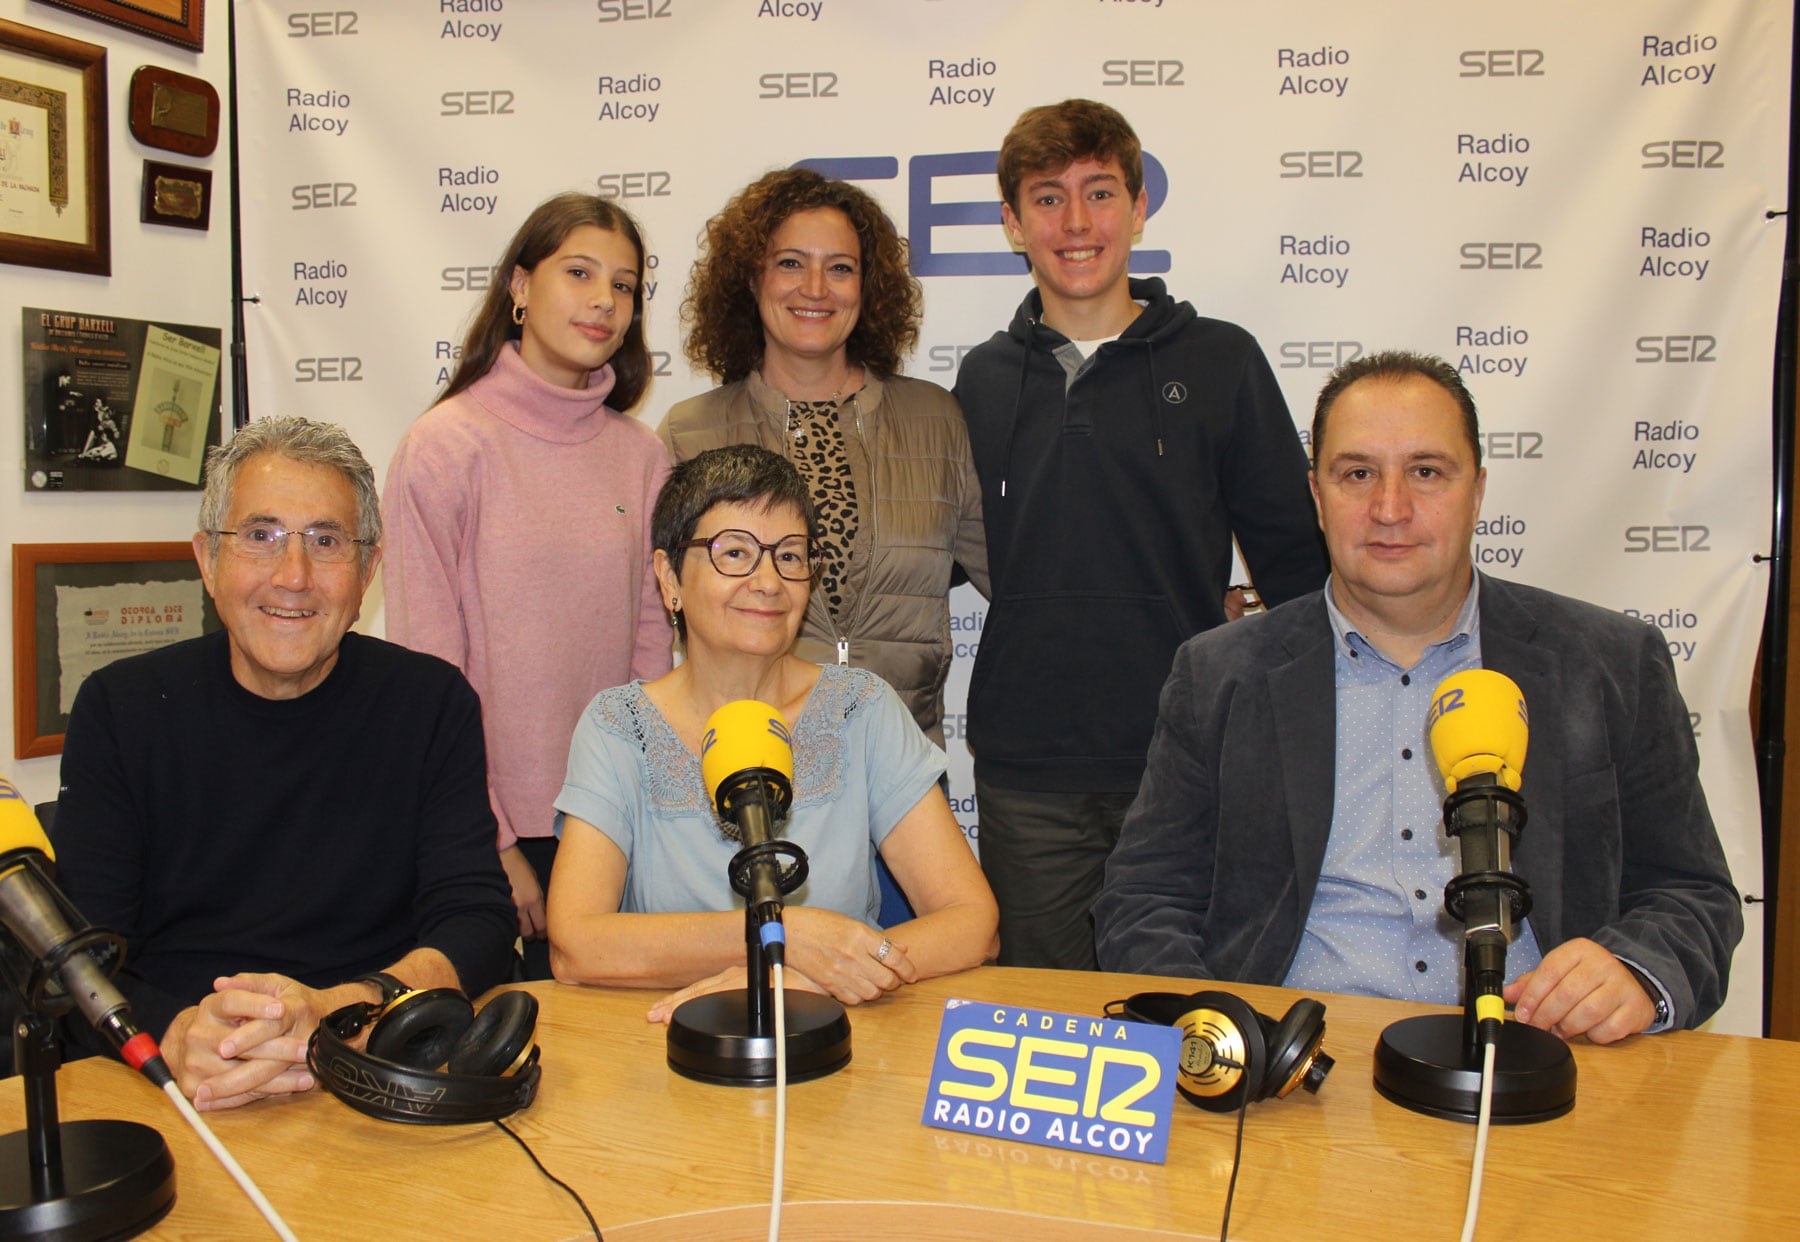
[53, 109]
[178, 195]
[181, 22]
[114, 572]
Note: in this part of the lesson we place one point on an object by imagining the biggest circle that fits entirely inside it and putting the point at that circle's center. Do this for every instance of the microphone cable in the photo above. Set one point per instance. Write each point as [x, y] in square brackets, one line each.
[1489, 1012]
[141, 1053]
[780, 1175]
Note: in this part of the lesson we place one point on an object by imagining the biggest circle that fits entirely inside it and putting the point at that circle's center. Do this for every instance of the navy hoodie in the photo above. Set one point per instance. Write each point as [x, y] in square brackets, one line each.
[1111, 500]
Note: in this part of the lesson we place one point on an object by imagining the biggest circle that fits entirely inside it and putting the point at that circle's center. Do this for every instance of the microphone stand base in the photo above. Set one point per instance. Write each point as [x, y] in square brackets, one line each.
[710, 1039]
[1426, 1064]
[118, 1179]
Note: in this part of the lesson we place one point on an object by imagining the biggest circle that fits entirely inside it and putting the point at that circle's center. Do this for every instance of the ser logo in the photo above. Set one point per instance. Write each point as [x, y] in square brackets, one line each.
[1697, 348]
[632, 10]
[323, 194]
[1525, 62]
[1000, 1056]
[1449, 701]
[1318, 355]
[1668, 538]
[948, 357]
[321, 24]
[1321, 164]
[328, 370]
[1502, 256]
[930, 211]
[1512, 446]
[1684, 153]
[476, 103]
[1142, 73]
[474, 278]
[797, 85]
[653, 184]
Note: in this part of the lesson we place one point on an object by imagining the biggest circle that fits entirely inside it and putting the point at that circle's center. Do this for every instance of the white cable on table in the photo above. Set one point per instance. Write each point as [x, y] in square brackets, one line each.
[780, 1105]
[1473, 1211]
[231, 1165]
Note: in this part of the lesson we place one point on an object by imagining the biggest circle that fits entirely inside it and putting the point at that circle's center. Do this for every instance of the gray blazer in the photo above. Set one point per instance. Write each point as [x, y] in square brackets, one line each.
[1219, 856]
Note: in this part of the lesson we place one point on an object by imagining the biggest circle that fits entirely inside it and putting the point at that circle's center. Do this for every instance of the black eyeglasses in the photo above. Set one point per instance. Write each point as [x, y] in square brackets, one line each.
[737, 553]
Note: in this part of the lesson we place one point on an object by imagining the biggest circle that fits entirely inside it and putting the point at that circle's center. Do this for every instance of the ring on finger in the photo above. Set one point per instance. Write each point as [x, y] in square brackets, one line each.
[887, 947]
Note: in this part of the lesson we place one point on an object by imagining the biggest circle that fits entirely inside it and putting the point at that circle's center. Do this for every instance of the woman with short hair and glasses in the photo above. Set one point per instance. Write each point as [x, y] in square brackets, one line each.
[640, 896]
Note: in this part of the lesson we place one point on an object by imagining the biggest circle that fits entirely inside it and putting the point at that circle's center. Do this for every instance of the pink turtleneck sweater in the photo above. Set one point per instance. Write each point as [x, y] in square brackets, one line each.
[518, 548]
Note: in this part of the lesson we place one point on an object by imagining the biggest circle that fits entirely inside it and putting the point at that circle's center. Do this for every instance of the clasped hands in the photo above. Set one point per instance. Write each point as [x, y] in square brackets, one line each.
[245, 1042]
[826, 952]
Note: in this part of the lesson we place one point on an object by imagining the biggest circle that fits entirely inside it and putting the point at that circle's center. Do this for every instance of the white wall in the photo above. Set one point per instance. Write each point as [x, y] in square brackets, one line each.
[158, 273]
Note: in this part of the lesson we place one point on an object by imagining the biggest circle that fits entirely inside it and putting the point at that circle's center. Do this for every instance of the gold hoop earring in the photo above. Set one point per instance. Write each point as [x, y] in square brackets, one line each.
[518, 312]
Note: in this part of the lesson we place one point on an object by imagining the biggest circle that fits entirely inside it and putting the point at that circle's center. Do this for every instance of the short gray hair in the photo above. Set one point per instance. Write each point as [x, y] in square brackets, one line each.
[297, 439]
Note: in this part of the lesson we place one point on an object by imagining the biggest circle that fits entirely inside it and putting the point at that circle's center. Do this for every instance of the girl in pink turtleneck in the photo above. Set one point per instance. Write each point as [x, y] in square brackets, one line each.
[518, 517]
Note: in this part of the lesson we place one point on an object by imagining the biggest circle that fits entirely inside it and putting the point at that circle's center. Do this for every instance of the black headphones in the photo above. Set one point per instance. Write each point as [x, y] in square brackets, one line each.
[1232, 1055]
[490, 1062]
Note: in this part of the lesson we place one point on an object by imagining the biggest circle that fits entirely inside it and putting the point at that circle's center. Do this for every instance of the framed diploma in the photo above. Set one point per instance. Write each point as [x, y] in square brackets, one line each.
[78, 607]
[54, 205]
[181, 22]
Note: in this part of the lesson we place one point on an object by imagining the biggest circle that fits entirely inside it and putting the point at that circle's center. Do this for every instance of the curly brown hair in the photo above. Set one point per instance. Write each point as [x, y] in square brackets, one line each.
[719, 310]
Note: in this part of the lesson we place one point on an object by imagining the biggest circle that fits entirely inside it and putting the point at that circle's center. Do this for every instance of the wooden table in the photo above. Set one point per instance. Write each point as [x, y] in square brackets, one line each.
[1679, 1135]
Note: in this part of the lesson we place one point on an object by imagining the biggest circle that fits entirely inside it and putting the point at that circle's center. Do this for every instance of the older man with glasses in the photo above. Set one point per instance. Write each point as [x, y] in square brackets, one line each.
[285, 817]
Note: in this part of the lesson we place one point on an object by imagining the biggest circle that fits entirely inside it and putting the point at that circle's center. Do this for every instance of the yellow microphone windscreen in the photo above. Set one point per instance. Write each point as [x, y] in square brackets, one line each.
[741, 735]
[1478, 723]
[19, 827]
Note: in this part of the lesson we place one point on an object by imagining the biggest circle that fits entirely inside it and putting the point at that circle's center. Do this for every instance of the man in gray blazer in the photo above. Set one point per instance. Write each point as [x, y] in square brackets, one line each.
[1288, 829]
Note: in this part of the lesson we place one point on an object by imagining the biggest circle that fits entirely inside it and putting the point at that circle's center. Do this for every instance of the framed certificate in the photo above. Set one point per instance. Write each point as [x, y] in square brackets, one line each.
[54, 205]
[181, 22]
[78, 607]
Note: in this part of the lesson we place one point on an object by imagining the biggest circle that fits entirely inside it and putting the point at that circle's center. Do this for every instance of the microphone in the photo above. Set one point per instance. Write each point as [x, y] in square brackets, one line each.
[1479, 729]
[759, 1034]
[1468, 1065]
[38, 917]
[747, 761]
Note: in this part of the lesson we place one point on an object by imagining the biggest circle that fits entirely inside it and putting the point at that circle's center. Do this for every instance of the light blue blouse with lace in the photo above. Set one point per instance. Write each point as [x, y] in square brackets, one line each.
[860, 764]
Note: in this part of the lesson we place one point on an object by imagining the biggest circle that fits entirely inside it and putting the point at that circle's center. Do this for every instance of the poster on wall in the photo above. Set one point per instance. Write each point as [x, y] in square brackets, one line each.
[77, 607]
[1580, 207]
[117, 404]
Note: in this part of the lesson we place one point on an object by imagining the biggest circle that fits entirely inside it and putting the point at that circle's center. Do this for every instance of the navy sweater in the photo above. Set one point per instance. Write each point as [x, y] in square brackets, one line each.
[319, 837]
[1111, 501]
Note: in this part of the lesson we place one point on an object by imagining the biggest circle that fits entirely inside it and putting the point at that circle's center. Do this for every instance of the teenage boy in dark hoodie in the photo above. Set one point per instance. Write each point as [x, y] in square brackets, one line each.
[1122, 441]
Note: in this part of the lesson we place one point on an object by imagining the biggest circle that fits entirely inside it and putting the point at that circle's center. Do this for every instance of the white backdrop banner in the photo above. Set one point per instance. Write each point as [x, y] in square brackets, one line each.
[1569, 202]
